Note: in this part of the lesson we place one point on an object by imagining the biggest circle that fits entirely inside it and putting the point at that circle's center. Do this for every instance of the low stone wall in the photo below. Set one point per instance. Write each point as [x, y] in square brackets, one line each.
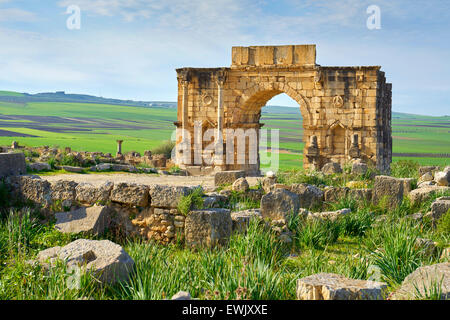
[148, 211]
[12, 164]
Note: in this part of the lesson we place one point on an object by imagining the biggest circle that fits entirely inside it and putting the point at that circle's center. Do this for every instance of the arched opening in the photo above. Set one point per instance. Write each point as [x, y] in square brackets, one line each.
[282, 113]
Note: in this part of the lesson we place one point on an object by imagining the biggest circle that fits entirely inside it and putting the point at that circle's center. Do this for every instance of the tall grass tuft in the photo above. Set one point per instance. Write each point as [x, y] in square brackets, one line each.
[165, 149]
[317, 234]
[399, 255]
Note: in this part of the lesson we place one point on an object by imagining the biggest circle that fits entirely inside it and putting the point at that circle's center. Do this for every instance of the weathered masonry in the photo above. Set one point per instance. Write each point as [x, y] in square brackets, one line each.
[346, 110]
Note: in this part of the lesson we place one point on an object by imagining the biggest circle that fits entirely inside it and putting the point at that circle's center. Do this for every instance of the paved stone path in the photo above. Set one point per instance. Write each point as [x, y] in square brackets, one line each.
[146, 179]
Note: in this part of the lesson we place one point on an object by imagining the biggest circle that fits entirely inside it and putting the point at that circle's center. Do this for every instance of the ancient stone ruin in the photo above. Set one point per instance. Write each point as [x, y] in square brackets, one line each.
[346, 110]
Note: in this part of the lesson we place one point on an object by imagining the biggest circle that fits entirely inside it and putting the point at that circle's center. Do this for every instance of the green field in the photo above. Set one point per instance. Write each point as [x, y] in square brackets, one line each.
[96, 127]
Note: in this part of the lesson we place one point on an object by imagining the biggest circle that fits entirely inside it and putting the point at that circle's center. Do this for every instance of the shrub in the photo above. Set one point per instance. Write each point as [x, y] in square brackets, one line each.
[405, 169]
[70, 160]
[165, 148]
[399, 255]
[357, 224]
[239, 201]
[193, 200]
[317, 233]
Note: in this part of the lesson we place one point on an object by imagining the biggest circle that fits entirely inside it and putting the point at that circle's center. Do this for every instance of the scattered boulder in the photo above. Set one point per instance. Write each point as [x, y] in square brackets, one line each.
[130, 193]
[330, 286]
[182, 295]
[442, 178]
[425, 184]
[308, 195]
[72, 169]
[31, 188]
[426, 169]
[359, 168]
[279, 204]
[40, 166]
[328, 215]
[213, 200]
[390, 189]
[334, 194]
[167, 196]
[423, 280]
[63, 190]
[208, 227]
[88, 193]
[428, 246]
[428, 176]
[93, 220]
[422, 194]
[227, 177]
[101, 167]
[241, 219]
[240, 185]
[364, 195]
[438, 208]
[107, 261]
[123, 167]
[268, 182]
[331, 168]
[12, 164]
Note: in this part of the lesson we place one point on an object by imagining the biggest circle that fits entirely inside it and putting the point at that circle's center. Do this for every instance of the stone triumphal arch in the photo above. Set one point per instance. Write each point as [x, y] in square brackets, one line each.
[346, 110]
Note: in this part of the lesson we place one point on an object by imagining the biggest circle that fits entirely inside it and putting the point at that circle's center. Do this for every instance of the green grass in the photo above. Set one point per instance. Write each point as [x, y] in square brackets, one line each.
[11, 94]
[147, 128]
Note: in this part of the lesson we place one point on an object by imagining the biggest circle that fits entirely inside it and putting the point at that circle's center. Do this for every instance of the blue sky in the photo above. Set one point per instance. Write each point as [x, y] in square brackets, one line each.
[129, 49]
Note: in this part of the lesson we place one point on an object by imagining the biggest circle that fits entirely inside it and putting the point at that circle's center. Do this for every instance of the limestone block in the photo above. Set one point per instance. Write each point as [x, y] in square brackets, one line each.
[328, 215]
[167, 196]
[12, 164]
[426, 169]
[209, 227]
[423, 280]
[40, 166]
[130, 193]
[439, 207]
[241, 219]
[240, 185]
[334, 194]
[88, 193]
[305, 55]
[279, 204]
[72, 169]
[93, 220]
[422, 194]
[31, 188]
[227, 177]
[107, 261]
[309, 195]
[331, 168]
[63, 190]
[359, 168]
[329, 286]
[442, 178]
[389, 188]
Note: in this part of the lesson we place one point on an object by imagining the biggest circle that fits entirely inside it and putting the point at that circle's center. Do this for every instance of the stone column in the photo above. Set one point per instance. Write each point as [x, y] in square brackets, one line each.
[219, 159]
[119, 147]
[184, 108]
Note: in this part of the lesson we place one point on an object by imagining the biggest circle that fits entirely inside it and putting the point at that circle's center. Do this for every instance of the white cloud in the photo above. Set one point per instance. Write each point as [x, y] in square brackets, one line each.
[16, 14]
[135, 53]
